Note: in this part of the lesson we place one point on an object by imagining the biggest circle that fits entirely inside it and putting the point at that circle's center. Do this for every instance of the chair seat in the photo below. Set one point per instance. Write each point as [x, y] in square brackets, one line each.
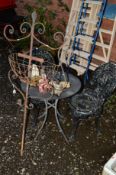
[85, 104]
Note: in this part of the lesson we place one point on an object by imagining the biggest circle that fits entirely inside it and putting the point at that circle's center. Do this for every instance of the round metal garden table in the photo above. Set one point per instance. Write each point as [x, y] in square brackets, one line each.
[51, 101]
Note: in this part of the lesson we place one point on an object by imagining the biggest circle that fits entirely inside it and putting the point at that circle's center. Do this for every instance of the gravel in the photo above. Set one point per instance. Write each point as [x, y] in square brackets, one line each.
[50, 154]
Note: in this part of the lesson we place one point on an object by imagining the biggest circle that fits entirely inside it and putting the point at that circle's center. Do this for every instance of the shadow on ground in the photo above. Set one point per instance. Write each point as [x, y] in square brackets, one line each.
[50, 154]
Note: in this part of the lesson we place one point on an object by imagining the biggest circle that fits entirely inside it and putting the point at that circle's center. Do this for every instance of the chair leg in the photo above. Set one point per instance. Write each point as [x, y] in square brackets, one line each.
[76, 123]
[97, 124]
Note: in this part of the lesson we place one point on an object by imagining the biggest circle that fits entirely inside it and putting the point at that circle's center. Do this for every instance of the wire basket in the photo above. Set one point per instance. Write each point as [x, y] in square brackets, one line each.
[26, 74]
[46, 76]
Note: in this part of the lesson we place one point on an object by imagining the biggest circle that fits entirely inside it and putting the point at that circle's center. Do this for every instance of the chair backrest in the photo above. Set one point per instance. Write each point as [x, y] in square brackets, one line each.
[104, 79]
[42, 53]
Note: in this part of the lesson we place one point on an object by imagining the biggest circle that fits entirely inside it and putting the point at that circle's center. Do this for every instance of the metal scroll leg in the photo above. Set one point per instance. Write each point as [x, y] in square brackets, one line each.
[45, 115]
[57, 120]
[60, 115]
[24, 127]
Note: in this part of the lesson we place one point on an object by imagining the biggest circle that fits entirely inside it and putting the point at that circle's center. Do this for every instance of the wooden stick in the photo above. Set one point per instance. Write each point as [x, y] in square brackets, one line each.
[103, 49]
[112, 39]
[41, 60]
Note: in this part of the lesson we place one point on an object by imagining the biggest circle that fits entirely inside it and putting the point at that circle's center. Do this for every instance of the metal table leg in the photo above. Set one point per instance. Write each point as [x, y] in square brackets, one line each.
[45, 115]
[48, 105]
[57, 119]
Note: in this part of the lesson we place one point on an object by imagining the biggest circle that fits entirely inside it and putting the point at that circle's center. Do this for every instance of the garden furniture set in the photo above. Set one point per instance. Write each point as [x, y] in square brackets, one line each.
[40, 81]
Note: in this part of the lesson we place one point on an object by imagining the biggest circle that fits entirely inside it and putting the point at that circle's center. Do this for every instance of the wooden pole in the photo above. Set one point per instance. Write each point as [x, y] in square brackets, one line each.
[112, 39]
[40, 60]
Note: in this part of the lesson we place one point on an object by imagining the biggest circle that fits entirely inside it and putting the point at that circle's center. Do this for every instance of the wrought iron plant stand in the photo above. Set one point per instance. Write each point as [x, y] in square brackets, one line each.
[36, 73]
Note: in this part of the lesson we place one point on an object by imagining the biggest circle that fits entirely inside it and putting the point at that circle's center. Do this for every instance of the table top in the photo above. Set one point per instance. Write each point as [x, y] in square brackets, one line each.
[75, 85]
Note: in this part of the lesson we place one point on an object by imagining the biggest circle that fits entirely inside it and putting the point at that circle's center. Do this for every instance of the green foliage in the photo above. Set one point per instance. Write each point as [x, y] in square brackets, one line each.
[28, 8]
[23, 44]
[63, 5]
[44, 2]
[42, 12]
[52, 15]
[46, 17]
[63, 22]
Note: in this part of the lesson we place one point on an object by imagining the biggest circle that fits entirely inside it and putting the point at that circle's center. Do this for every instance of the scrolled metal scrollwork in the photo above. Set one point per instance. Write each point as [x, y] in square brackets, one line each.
[13, 35]
[39, 28]
[33, 29]
[25, 27]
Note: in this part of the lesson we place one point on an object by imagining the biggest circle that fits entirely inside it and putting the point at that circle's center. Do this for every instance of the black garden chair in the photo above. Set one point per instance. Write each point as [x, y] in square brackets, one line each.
[92, 98]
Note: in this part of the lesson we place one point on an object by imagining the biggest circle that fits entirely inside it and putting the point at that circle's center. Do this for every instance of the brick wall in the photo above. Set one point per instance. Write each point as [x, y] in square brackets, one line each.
[54, 6]
[21, 4]
[61, 12]
[60, 15]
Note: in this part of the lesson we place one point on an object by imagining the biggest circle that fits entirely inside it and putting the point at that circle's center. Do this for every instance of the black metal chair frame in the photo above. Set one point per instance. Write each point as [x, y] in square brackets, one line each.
[92, 98]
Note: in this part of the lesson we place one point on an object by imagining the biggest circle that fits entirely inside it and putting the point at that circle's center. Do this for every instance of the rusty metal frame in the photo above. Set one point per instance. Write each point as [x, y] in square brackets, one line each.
[32, 36]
